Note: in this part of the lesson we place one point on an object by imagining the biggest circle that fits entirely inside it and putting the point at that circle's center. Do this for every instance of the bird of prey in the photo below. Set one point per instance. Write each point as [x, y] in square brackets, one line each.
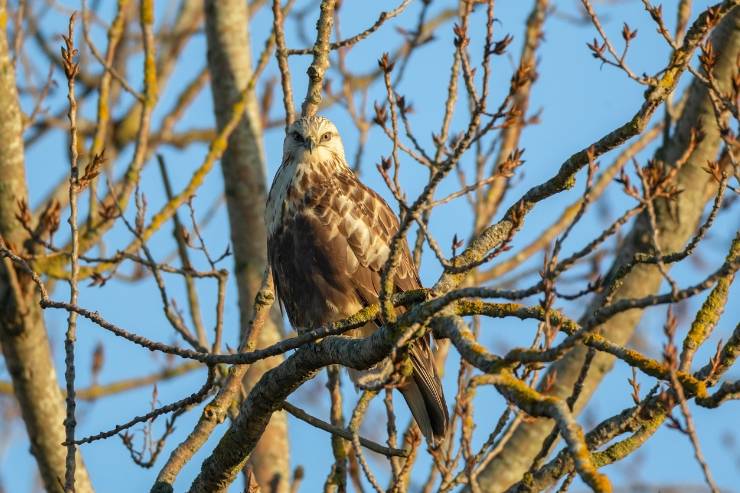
[328, 238]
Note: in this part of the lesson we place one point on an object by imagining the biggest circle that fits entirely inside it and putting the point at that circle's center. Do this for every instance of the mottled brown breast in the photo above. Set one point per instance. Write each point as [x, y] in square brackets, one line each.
[328, 243]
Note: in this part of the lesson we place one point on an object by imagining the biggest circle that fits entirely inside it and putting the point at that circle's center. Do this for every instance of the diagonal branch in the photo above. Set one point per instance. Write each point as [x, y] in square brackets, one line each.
[674, 231]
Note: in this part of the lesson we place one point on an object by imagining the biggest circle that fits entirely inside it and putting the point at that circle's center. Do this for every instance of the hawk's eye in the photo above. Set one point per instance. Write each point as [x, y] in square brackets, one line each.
[326, 137]
[297, 137]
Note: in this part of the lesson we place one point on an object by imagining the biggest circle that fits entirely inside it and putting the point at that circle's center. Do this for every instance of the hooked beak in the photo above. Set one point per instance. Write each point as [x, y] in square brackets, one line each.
[310, 145]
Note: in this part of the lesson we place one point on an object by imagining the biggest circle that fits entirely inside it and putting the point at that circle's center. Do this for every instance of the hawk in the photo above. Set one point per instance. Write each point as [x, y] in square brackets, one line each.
[328, 237]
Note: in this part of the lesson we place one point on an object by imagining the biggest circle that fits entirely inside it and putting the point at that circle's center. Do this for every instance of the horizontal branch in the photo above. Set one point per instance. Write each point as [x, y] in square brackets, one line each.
[359, 319]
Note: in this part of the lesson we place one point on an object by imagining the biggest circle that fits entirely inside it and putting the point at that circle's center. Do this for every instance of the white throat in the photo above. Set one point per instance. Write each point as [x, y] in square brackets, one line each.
[292, 177]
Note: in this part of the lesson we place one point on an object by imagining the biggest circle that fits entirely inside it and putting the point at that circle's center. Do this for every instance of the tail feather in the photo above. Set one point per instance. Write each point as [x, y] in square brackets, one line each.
[424, 396]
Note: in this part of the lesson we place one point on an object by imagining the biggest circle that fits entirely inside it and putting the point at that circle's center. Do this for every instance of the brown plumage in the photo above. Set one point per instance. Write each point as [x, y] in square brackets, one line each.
[328, 237]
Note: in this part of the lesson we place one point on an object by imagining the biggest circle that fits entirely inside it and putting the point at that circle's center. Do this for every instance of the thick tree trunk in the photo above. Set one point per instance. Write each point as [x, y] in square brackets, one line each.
[243, 168]
[644, 280]
[22, 333]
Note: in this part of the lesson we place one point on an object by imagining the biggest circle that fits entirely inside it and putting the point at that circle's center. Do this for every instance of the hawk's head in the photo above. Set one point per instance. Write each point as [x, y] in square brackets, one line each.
[313, 138]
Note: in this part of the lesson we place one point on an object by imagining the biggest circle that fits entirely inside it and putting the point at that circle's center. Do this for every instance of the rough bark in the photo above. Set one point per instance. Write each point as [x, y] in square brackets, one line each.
[674, 230]
[23, 335]
[243, 167]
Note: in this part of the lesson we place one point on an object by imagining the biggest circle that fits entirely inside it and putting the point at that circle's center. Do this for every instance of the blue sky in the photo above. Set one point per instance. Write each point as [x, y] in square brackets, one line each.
[580, 101]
